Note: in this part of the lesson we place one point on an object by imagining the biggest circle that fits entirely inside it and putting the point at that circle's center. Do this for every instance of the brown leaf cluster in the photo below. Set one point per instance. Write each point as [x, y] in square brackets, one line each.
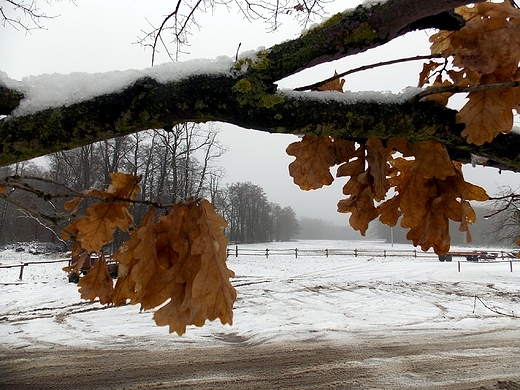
[97, 227]
[315, 156]
[177, 260]
[485, 51]
[422, 187]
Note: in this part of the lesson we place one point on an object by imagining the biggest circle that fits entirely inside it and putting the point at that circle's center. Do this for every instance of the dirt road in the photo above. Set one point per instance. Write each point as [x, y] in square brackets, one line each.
[433, 360]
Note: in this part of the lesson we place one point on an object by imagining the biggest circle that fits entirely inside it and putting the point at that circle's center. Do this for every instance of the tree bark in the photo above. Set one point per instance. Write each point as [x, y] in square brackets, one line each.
[250, 99]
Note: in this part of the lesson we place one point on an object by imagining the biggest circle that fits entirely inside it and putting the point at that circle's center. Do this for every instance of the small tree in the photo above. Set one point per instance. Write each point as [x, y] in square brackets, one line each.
[505, 217]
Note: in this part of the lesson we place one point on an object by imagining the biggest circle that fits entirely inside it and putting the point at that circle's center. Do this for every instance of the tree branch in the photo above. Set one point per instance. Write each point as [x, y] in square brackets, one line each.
[248, 97]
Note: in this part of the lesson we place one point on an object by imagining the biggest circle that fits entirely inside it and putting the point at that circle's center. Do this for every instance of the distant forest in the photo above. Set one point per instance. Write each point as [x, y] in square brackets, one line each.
[174, 164]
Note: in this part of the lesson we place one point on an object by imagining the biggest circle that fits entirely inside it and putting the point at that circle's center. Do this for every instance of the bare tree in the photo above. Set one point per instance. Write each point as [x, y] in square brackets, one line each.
[505, 216]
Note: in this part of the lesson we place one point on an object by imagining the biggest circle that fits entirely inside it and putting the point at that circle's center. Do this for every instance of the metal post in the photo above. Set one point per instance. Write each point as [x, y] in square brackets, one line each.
[236, 250]
[384, 253]
[355, 252]
[296, 252]
[266, 253]
[21, 271]
[327, 252]
[458, 266]
[511, 265]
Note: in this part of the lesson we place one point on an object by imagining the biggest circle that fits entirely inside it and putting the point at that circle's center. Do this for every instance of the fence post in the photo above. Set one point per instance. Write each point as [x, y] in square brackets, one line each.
[384, 253]
[327, 252]
[296, 252]
[21, 271]
[511, 265]
[458, 266]
[236, 250]
[227, 252]
[266, 253]
[355, 252]
[415, 253]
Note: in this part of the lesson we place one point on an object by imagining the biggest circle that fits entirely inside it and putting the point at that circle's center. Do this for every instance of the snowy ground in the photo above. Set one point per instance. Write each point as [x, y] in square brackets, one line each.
[279, 299]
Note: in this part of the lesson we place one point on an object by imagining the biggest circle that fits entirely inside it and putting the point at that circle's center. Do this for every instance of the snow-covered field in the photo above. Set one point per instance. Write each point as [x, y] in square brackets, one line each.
[281, 298]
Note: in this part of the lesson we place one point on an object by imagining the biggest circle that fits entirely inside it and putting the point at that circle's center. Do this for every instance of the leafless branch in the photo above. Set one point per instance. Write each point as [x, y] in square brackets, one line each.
[40, 222]
[458, 89]
[23, 14]
[366, 67]
[183, 18]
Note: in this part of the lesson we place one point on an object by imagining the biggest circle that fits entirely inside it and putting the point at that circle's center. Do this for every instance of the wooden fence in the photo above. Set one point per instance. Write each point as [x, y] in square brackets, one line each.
[236, 251]
[24, 264]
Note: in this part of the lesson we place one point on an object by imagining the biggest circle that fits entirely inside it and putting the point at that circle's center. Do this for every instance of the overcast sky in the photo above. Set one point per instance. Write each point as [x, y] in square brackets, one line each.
[99, 36]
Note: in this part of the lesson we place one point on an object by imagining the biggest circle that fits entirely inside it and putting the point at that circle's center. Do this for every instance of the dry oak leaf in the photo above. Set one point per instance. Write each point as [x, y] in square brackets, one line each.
[72, 205]
[172, 313]
[3, 190]
[468, 217]
[78, 258]
[145, 255]
[490, 39]
[97, 283]
[167, 229]
[464, 189]
[314, 157]
[163, 285]
[434, 231]
[389, 211]
[401, 145]
[96, 228]
[212, 294]
[486, 114]
[362, 208]
[442, 43]
[432, 160]
[443, 97]
[426, 71]
[333, 85]
[137, 262]
[414, 195]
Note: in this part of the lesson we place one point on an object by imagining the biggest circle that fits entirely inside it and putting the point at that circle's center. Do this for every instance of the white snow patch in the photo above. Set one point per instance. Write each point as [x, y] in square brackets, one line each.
[57, 90]
[355, 97]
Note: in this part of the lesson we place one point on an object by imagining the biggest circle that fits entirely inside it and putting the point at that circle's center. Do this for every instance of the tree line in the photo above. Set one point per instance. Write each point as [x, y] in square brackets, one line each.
[174, 164]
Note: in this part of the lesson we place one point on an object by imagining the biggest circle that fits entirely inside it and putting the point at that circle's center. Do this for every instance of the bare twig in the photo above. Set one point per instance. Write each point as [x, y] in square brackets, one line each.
[511, 198]
[39, 221]
[458, 89]
[31, 12]
[366, 67]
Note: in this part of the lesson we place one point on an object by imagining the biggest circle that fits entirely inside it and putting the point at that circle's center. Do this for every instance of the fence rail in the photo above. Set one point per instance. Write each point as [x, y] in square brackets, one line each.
[236, 251]
[24, 264]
